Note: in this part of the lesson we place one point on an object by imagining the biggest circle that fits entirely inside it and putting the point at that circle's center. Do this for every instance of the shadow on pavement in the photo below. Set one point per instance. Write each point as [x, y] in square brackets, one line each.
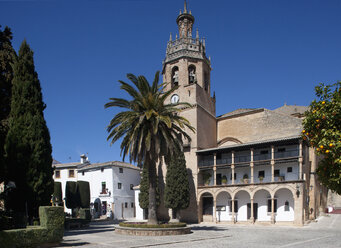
[207, 228]
[90, 230]
[62, 244]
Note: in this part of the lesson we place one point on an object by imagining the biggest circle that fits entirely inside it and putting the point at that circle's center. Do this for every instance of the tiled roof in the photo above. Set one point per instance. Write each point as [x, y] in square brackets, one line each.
[108, 164]
[240, 111]
[296, 137]
[66, 165]
[291, 110]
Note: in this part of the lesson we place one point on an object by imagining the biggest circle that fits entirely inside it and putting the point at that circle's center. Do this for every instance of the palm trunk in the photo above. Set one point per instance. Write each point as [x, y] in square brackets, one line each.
[152, 217]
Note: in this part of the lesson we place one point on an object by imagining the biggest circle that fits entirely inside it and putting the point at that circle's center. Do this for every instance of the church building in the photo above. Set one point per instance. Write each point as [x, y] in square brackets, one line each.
[249, 165]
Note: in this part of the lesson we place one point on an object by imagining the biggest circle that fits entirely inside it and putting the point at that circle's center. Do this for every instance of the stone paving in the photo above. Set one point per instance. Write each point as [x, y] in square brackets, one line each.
[325, 232]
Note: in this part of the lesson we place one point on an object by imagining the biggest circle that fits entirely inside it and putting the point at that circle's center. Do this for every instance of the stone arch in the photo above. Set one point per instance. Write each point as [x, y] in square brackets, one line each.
[290, 188]
[241, 201]
[285, 204]
[175, 76]
[237, 190]
[223, 205]
[261, 200]
[192, 76]
[263, 187]
[229, 140]
[206, 205]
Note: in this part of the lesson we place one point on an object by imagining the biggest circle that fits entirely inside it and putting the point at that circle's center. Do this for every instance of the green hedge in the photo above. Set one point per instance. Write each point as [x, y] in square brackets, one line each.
[51, 230]
[84, 193]
[71, 195]
[57, 193]
[84, 213]
[145, 225]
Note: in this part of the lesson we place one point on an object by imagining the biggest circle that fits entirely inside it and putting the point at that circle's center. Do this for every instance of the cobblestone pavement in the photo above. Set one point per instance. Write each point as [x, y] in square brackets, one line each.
[326, 232]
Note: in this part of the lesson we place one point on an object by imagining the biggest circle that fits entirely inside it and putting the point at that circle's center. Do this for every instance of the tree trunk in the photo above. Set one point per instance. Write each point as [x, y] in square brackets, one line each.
[152, 217]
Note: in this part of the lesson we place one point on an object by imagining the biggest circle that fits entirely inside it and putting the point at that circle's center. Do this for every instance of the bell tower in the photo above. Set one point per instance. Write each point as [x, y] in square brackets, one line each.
[187, 67]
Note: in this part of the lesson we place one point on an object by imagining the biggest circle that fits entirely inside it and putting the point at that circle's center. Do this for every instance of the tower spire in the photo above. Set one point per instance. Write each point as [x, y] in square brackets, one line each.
[185, 7]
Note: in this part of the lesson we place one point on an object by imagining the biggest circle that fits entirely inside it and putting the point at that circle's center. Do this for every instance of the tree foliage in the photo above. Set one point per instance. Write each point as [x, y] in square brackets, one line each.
[322, 128]
[58, 193]
[7, 58]
[72, 200]
[84, 194]
[177, 194]
[150, 128]
[144, 190]
[28, 148]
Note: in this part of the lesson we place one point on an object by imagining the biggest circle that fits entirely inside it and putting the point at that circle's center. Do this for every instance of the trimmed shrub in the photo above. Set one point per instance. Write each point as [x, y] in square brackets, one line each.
[84, 194]
[71, 195]
[57, 193]
[145, 225]
[50, 231]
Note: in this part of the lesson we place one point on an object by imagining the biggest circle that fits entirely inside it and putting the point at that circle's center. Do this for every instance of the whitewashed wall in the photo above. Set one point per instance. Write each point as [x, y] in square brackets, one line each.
[282, 196]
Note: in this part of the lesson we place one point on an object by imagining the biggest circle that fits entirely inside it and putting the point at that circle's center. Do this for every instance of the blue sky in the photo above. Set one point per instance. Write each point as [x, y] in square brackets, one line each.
[264, 53]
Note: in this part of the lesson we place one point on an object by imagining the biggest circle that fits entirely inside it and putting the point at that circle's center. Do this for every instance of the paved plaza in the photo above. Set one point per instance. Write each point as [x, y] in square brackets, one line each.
[324, 233]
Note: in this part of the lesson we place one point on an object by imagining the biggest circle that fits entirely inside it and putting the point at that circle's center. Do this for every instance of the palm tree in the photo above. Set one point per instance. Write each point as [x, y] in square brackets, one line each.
[150, 128]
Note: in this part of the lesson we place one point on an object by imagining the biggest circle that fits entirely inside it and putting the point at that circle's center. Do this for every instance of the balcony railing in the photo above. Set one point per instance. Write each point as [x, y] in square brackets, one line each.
[242, 159]
[224, 161]
[287, 154]
[206, 162]
[259, 157]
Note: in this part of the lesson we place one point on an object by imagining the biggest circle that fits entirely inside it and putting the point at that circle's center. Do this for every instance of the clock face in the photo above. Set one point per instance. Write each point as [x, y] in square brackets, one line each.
[175, 98]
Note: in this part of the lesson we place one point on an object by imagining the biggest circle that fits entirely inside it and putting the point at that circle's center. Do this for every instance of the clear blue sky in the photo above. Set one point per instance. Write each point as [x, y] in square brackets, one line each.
[264, 53]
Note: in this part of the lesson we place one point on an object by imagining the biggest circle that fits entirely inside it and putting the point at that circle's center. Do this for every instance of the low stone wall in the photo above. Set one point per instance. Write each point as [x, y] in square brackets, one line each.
[51, 230]
[152, 231]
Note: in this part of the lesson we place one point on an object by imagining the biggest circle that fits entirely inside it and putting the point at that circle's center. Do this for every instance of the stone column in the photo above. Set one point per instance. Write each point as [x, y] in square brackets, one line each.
[215, 170]
[299, 207]
[214, 210]
[252, 218]
[233, 218]
[272, 163]
[300, 161]
[272, 210]
[251, 165]
[232, 167]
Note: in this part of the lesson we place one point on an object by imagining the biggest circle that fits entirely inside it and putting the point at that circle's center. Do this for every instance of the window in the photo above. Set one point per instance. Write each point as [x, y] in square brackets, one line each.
[132, 205]
[104, 188]
[121, 170]
[57, 174]
[286, 206]
[71, 173]
[289, 169]
[235, 176]
[281, 150]
[83, 173]
[102, 169]
[264, 152]
[126, 204]
[269, 205]
[276, 173]
[131, 186]
[235, 206]
[261, 174]
[119, 185]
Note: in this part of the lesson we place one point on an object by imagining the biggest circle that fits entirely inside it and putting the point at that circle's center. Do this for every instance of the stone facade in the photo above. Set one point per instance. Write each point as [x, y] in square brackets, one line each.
[271, 170]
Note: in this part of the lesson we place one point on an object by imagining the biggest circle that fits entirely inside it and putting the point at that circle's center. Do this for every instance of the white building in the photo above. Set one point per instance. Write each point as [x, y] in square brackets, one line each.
[111, 185]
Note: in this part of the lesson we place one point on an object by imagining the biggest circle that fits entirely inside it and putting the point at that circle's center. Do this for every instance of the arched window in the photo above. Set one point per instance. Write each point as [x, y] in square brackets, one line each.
[192, 77]
[175, 76]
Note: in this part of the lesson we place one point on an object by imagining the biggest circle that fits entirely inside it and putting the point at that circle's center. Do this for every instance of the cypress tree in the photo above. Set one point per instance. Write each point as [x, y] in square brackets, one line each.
[72, 196]
[28, 148]
[84, 194]
[7, 58]
[177, 194]
[57, 193]
[144, 190]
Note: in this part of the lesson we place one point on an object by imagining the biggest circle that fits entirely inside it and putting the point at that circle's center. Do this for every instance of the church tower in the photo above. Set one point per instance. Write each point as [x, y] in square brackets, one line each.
[187, 67]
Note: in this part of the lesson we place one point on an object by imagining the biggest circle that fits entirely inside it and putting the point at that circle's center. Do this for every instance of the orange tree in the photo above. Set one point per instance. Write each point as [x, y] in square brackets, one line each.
[322, 129]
